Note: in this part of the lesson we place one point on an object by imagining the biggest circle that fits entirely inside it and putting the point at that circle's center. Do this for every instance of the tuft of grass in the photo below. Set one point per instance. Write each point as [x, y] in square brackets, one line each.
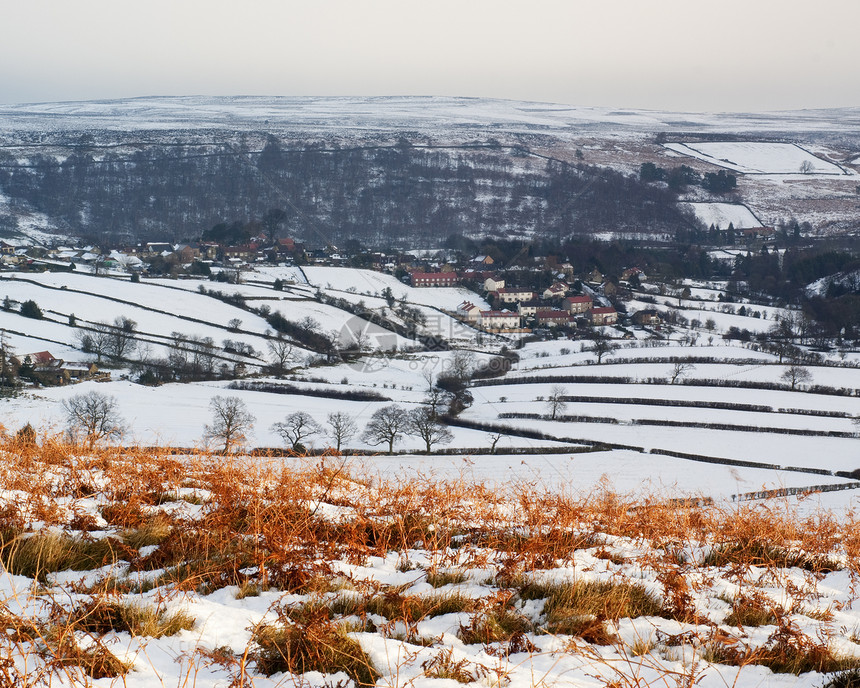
[152, 532]
[599, 599]
[782, 661]
[818, 614]
[37, 555]
[754, 552]
[249, 589]
[408, 608]
[787, 651]
[751, 610]
[439, 579]
[495, 625]
[590, 628]
[641, 646]
[316, 645]
[443, 666]
[60, 649]
[844, 679]
[102, 616]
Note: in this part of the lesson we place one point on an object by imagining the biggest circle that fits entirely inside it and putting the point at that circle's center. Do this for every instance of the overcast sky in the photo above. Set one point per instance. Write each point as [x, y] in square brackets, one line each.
[718, 55]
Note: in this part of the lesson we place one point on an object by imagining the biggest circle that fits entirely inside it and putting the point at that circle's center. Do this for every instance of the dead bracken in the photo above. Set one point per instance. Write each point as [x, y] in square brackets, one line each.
[336, 568]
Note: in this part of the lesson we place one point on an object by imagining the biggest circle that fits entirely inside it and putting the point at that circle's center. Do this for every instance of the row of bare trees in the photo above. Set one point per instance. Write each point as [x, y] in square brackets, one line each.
[232, 423]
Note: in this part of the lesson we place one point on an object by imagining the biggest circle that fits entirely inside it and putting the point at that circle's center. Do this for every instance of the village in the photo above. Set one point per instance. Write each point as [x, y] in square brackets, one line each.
[520, 301]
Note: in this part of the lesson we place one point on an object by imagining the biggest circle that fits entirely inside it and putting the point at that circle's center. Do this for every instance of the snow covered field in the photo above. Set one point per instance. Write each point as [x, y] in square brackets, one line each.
[627, 472]
[758, 157]
[176, 414]
[368, 282]
[721, 215]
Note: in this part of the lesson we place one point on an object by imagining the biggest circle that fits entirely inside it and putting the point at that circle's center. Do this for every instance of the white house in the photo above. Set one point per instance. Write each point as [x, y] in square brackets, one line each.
[469, 311]
[494, 284]
[499, 320]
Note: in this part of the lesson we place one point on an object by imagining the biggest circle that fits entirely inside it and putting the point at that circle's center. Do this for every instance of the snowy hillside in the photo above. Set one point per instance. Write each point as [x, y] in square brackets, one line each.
[246, 155]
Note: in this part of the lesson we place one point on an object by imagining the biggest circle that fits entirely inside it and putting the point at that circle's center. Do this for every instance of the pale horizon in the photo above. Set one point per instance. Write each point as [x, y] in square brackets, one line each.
[668, 55]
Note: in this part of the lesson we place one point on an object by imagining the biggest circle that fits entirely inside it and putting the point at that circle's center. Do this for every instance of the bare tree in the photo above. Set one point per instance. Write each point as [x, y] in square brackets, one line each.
[343, 427]
[494, 440]
[461, 364]
[806, 167]
[231, 422]
[679, 370]
[555, 401]
[281, 351]
[386, 425]
[603, 346]
[8, 378]
[436, 400]
[423, 423]
[795, 374]
[95, 339]
[199, 356]
[271, 221]
[296, 428]
[121, 340]
[93, 416]
[310, 324]
[360, 338]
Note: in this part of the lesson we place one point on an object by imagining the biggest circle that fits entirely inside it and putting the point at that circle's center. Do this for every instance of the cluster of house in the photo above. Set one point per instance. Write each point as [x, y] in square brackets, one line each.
[137, 257]
[256, 250]
[50, 370]
[516, 306]
[530, 309]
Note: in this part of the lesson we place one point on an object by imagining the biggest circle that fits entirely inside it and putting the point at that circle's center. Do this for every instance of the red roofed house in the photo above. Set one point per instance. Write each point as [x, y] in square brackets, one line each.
[603, 315]
[557, 290]
[469, 311]
[553, 317]
[41, 358]
[629, 273]
[578, 304]
[434, 279]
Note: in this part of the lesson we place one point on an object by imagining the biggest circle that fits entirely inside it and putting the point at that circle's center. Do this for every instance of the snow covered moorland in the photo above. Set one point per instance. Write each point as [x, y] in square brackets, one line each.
[141, 568]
